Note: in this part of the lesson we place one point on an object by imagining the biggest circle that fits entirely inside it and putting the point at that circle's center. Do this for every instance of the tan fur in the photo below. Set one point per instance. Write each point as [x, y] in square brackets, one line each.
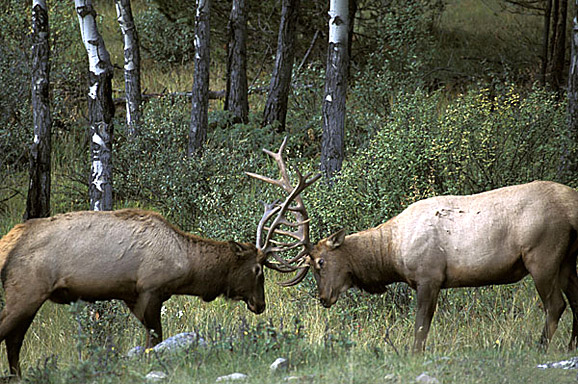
[132, 255]
[9, 241]
[496, 237]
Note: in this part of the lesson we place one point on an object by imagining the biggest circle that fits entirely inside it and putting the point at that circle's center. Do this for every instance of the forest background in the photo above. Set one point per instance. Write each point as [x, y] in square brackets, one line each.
[445, 97]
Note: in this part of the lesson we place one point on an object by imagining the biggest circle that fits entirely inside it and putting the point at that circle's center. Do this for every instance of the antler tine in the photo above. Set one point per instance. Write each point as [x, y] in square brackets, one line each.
[276, 212]
[270, 210]
[297, 278]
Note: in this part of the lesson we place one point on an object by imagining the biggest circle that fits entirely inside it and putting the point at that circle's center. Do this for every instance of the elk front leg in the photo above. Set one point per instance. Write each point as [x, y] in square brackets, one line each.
[147, 308]
[427, 295]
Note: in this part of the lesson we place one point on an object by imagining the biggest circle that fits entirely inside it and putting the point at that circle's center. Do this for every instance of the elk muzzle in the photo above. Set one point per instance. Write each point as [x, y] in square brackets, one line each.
[256, 306]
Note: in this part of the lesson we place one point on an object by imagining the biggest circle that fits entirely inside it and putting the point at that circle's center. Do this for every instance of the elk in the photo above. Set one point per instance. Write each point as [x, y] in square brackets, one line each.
[132, 255]
[495, 237]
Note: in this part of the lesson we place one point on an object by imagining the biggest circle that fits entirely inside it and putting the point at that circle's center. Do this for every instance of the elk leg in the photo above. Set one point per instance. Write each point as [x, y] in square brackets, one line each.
[427, 296]
[152, 321]
[147, 309]
[571, 291]
[14, 344]
[550, 292]
[13, 327]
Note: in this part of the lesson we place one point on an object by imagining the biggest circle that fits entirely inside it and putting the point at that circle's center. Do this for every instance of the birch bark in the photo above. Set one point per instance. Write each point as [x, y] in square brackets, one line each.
[131, 65]
[38, 198]
[333, 109]
[100, 108]
[200, 93]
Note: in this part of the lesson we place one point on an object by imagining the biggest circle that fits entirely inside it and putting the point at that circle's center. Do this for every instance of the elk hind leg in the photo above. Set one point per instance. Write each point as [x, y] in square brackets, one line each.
[569, 281]
[548, 287]
[427, 295]
[14, 323]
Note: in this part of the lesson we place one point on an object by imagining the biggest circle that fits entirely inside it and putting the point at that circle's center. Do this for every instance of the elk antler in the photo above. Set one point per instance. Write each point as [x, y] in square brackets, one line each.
[278, 210]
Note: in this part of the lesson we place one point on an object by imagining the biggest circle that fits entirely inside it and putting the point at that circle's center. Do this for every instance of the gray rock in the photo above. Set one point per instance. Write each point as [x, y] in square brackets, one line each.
[281, 364]
[233, 377]
[571, 363]
[179, 342]
[155, 376]
[136, 351]
[172, 344]
[424, 378]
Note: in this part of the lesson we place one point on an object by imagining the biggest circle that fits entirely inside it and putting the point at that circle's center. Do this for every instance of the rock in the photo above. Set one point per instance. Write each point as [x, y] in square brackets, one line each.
[172, 344]
[136, 351]
[299, 379]
[233, 377]
[179, 342]
[572, 363]
[281, 364]
[424, 378]
[155, 376]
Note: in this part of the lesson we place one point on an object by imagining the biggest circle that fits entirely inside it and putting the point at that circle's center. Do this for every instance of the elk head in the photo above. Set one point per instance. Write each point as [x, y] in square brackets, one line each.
[246, 279]
[295, 229]
[330, 268]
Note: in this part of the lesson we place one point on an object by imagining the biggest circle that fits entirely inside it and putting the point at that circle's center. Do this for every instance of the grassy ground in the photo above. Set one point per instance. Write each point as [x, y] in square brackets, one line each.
[479, 335]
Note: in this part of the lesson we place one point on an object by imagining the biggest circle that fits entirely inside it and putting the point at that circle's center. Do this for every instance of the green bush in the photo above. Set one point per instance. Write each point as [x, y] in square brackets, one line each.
[483, 140]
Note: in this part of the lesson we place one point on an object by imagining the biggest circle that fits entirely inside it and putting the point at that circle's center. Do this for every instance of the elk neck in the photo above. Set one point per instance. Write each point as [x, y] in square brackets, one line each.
[372, 258]
[209, 265]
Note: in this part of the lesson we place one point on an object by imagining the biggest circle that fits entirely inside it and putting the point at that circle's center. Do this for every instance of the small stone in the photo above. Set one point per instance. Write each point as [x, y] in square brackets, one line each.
[136, 351]
[390, 377]
[233, 377]
[179, 342]
[156, 376]
[281, 364]
[424, 378]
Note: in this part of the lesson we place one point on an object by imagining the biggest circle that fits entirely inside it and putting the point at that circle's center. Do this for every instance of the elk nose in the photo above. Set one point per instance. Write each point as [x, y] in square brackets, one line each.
[325, 302]
[256, 308]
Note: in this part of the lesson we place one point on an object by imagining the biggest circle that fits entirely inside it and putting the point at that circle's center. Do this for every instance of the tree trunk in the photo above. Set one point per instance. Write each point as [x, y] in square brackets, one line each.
[100, 108]
[545, 41]
[559, 46]
[333, 110]
[38, 200]
[276, 105]
[236, 99]
[200, 93]
[568, 160]
[131, 65]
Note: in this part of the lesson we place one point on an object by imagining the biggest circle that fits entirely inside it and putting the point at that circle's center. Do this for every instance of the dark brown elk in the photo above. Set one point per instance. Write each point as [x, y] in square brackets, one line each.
[131, 255]
[496, 237]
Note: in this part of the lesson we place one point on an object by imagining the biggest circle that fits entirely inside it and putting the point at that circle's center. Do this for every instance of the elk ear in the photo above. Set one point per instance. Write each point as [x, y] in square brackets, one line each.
[258, 270]
[238, 248]
[336, 240]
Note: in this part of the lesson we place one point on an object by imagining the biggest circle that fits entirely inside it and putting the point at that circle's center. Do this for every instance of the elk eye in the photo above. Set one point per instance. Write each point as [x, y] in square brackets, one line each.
[320, 262]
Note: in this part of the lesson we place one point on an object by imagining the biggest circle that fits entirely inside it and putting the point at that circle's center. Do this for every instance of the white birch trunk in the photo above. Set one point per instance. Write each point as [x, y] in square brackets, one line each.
[100, 108]
[333, 109]
[38, 197]
[131, 65]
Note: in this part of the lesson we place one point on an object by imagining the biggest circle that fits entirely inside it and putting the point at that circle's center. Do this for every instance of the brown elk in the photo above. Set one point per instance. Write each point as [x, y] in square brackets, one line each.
[496, 237]
[131, 255]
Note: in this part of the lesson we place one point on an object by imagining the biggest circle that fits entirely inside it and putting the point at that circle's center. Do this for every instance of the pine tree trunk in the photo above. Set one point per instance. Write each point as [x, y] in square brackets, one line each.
[200, 93]
[559, 46]
[568, 160]
[100, 108]
[131, 65]
[333, 110]
[545, 41]
[276, 105]
[38, 200]
[236, 98]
